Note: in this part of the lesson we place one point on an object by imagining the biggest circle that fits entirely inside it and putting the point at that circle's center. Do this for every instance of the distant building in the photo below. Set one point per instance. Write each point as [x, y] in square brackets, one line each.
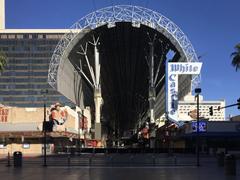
[188, 106]
[29, 53]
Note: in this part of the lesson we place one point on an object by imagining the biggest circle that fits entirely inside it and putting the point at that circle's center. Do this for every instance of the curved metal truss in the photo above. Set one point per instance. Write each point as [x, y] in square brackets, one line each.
[124, 13]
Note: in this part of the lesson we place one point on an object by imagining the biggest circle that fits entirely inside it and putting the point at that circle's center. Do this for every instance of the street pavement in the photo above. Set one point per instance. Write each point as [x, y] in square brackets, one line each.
[116, 173]
[207, 171]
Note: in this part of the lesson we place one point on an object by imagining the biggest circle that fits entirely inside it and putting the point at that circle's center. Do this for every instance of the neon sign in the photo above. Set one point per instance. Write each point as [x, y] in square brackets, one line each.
[202, 126]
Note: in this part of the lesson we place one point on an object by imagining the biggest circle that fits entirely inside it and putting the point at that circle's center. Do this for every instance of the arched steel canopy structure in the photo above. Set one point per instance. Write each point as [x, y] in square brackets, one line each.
[124, 33]
[123, 13]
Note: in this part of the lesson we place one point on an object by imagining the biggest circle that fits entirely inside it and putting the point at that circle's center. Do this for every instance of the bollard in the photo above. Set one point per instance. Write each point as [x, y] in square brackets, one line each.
[90, 161]
[8, 160]
[153, 158]
[69, 160]
[220, 159]
[72, 151]
[230, 164]
[111, 160]
[175, 160]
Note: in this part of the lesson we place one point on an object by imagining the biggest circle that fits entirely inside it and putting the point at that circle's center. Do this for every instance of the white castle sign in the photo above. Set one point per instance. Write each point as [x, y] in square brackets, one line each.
[173, 70]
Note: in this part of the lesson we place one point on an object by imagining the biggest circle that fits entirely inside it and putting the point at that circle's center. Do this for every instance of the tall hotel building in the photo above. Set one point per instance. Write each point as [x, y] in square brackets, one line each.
[28, 54]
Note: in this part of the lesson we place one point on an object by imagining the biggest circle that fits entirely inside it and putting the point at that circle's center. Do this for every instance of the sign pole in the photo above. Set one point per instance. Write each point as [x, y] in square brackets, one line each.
[197, 91]
[44, 92]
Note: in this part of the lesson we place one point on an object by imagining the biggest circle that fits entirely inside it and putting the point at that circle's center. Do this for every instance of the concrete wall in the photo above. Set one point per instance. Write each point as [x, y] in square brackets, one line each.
[25, 115]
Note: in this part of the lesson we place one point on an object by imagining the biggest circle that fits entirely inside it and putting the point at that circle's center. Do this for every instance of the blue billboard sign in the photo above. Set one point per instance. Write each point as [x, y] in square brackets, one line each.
[202, 126]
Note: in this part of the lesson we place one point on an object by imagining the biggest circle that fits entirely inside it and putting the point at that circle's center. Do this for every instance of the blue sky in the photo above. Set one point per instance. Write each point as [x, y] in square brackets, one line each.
[213, 27]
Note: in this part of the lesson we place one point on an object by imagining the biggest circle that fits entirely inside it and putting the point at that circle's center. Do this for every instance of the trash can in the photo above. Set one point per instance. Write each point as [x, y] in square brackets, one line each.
[230, 164]
[220, 159]
[17, 159]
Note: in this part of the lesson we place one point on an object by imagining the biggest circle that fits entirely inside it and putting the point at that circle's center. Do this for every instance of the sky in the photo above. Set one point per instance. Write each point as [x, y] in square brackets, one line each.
[213, 27]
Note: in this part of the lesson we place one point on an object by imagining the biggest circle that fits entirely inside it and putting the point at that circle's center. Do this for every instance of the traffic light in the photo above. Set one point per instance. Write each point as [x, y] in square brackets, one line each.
[211, 111]
[238, 101]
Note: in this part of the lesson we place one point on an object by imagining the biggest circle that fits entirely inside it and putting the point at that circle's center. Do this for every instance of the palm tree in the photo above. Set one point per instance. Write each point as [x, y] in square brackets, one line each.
[236, 57]
[3, 61]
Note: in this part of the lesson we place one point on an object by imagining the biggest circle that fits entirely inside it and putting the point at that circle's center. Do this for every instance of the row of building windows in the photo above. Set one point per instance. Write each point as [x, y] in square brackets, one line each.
[30, 36]
[201, 103]
[27, 54]
[24, 86]
[27, 73]
[26, 67]
[202, 109]
[200, 106]
[27, 98]
[23, 80]
[12, 44]
[24, 92]
[24, 49]
[29, 62]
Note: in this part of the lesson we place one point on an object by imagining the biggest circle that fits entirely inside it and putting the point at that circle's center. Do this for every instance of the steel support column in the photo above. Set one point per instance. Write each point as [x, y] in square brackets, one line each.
[94, 81]
[97, 94]
[151, 94]
[98, 104]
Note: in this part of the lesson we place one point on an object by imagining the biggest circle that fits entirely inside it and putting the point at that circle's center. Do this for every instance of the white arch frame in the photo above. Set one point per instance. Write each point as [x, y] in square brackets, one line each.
[124, 13]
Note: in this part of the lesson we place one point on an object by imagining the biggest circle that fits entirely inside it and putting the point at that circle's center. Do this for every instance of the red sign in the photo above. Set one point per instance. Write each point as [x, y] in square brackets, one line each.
[3, 115]
[84, 123]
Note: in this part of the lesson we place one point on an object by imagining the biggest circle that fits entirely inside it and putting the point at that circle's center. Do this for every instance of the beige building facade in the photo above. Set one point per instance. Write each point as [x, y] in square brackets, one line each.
[21, 129]
[188, 106]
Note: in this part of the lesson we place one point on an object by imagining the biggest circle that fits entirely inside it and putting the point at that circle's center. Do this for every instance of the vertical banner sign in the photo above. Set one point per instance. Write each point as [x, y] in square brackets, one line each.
[173, 70]
[4, 111]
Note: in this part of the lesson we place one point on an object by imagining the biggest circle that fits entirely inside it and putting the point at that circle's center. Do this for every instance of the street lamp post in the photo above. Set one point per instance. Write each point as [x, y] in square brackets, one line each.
[44, 92]
[197, 91]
